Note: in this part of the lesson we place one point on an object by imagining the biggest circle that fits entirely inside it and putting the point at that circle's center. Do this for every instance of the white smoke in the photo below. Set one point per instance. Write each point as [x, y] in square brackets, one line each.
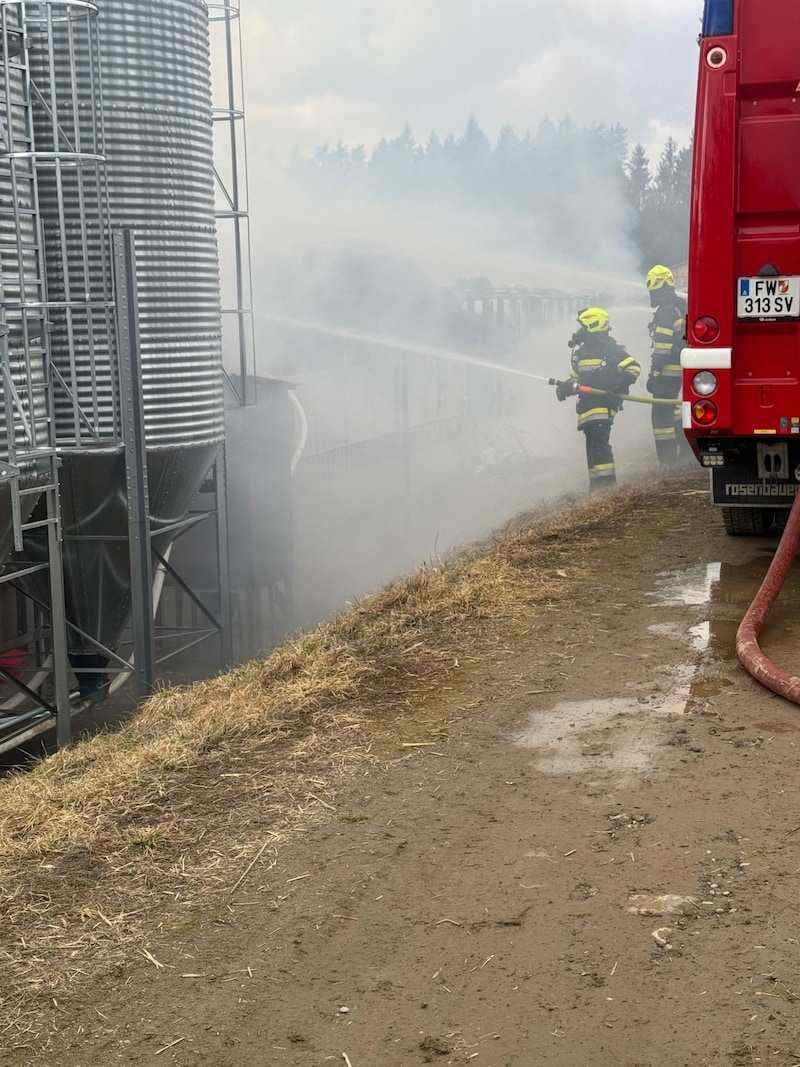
[358, 72]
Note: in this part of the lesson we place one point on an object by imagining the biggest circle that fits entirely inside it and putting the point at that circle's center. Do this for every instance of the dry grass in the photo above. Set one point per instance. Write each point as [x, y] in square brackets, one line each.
[164, 820]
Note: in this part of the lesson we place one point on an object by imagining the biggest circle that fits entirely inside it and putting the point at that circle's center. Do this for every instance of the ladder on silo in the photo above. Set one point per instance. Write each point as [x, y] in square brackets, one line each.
[231, 211]
[30, 465]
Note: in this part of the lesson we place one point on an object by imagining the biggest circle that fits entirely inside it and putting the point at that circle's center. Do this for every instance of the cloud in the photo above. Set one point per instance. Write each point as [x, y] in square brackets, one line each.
[353, 71]
[316, 121]
[656, 135]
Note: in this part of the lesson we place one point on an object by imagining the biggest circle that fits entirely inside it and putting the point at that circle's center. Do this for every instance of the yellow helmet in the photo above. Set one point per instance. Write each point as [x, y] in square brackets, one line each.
[658, 276]
[594, 320]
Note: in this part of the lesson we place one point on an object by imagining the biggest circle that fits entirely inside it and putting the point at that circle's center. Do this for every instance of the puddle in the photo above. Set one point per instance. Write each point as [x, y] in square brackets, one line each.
[700, 636]
[705, 585]
[704, 688]
[621, 737]
[614, 737]
[732, 584]
[722, 637]
[692, 587]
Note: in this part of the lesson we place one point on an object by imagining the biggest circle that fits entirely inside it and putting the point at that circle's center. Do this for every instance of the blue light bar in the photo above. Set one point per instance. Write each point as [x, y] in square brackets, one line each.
[718, 18]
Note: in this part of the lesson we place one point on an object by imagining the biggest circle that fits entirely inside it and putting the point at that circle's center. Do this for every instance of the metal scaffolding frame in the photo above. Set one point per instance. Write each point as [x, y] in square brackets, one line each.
[75, 155]
[31, 464]
[233, 191]
[233, 229]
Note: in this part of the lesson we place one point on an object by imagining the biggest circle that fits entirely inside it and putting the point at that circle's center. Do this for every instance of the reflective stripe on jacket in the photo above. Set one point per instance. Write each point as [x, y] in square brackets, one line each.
[601, 363]
[667, 331]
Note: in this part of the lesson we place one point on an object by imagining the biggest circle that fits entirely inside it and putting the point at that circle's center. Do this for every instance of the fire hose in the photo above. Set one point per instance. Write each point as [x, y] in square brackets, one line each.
[754, 661]
[621, 396]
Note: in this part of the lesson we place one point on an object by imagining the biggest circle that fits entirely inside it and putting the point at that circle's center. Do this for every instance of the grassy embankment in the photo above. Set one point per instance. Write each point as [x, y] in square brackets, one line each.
[119, 839]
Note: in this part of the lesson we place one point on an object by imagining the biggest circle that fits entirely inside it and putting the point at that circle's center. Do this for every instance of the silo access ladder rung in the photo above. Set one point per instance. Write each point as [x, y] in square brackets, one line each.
[11, 474]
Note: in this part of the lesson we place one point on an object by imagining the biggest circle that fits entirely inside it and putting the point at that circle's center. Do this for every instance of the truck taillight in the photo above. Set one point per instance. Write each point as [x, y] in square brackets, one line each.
[704, 412]
[706, 329]
[704, 383]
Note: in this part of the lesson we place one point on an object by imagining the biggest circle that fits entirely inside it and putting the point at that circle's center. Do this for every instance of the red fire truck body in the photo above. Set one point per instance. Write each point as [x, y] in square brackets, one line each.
[741, 363]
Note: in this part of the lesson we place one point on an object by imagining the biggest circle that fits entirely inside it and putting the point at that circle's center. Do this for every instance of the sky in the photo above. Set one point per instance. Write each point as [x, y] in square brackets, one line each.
[322, 71]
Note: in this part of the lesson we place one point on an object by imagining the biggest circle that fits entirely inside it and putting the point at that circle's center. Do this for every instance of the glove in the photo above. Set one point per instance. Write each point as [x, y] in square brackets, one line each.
[565, 389]
[615, 395]
[651, 382]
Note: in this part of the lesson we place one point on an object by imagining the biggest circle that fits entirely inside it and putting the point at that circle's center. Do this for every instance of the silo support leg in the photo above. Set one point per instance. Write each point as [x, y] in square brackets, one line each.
[223, 561]
[132, 410]
[58, 624]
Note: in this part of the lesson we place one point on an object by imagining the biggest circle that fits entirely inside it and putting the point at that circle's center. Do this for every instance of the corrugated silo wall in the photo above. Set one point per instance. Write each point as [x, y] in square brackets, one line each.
[155, 130]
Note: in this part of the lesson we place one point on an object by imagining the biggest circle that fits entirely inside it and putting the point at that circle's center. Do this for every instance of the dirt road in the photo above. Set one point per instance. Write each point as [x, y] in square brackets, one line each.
[584, 852]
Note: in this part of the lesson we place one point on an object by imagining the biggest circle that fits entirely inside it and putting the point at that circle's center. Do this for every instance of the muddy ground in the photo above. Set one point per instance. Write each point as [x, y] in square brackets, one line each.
[586, 852]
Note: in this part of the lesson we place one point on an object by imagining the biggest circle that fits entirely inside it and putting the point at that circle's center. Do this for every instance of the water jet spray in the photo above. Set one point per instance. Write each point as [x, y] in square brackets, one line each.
[395, 342]
[437, 353]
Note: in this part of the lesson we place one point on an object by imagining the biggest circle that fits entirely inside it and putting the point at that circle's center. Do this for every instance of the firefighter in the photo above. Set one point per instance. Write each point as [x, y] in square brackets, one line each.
[667, 332]
[599, 362]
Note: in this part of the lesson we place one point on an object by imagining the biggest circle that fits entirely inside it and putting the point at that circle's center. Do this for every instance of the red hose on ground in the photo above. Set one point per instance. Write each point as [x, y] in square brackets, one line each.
[750, 655]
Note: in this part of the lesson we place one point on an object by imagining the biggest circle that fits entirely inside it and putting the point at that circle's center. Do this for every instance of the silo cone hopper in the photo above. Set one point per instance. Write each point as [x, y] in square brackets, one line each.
[97, 565]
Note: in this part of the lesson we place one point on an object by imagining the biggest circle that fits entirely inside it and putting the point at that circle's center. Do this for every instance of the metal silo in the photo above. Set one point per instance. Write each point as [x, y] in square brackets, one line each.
[149, 120]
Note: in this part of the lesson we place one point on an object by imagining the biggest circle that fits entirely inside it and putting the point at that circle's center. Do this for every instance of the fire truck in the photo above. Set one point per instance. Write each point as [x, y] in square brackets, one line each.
[741, 363]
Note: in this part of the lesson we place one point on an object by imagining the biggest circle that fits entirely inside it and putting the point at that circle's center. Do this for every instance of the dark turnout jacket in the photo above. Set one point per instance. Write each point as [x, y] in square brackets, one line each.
[667, 330]
[601, 363]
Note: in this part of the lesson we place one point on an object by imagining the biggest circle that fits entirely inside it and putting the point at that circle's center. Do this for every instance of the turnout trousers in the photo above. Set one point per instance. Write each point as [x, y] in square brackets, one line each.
[666, 421]
[599, 457]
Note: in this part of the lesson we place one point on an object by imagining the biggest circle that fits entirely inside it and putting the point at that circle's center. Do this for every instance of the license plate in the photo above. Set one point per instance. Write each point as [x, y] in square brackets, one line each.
[768, 298]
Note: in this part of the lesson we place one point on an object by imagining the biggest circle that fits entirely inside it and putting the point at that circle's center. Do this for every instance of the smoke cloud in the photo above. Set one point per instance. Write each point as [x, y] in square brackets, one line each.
[405, 456]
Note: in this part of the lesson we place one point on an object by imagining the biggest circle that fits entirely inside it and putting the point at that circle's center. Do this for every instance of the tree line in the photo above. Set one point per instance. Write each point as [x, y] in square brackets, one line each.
[566, 189]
